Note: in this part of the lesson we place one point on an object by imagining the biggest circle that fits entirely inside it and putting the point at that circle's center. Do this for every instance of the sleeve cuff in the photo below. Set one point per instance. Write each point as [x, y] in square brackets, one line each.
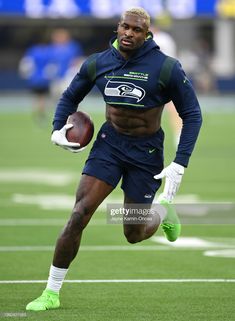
[182, 159]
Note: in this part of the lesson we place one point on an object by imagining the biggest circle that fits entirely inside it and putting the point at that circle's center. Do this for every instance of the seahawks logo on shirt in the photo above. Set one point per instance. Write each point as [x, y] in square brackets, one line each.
[124, 89]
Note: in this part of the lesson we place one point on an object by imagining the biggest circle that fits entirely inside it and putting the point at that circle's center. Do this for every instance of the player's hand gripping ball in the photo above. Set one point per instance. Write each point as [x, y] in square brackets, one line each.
[82, 130]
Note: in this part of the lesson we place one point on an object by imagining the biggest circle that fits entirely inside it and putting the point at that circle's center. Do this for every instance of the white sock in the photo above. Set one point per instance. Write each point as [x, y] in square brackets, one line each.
[56, 278]
[160, 210]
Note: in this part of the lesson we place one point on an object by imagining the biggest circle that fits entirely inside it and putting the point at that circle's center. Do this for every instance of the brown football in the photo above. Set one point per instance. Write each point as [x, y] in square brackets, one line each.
[82, 130]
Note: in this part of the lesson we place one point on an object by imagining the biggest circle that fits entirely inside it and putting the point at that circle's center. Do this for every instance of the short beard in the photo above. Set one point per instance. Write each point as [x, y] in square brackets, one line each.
[121, 48]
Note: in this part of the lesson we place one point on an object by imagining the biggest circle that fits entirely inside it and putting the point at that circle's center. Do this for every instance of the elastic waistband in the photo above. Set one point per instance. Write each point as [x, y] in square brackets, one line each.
[112, 132]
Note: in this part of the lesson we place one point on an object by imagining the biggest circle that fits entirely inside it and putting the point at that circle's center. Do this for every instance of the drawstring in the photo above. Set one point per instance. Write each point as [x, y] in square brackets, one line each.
[112, 74]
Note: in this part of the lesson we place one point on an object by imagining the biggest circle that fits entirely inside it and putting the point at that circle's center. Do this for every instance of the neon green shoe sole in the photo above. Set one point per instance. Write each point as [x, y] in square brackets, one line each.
[171, 224]
[48, 300]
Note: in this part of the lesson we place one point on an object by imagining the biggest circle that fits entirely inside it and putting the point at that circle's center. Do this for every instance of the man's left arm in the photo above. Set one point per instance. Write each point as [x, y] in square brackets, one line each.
[182, 94]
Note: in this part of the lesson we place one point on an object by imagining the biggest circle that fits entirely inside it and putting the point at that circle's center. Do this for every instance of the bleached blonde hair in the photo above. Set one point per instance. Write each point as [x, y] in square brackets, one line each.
[138, 11]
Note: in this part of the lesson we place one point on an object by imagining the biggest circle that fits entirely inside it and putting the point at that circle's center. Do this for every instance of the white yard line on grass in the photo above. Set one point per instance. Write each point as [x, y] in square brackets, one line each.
[13, 315]
[229, 250]
[57, 201]
[36, 176]
[125, 281]
[44, 222]
[87, 248]
[225, 253]
[183, 243]
[196, 242]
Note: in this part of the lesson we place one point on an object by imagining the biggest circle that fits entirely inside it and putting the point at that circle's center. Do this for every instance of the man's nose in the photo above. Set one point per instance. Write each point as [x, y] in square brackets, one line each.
[129, 33]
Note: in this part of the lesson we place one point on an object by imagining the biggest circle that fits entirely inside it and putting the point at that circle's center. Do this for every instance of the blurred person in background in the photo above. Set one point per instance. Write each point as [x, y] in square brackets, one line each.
[45, 67]
[65, 54]
[203, 74]
[168, 45]
[34, 68]
[199, 64]
[136, 80]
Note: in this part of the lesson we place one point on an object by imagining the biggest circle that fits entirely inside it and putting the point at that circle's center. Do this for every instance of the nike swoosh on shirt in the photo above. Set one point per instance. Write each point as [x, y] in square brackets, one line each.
[151, 150]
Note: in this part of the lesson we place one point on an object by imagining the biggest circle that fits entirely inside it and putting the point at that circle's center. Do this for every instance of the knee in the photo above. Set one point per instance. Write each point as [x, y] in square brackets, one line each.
[133, 236]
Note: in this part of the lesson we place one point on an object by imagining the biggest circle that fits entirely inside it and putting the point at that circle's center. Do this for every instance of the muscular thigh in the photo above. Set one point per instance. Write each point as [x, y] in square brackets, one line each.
[90, 193]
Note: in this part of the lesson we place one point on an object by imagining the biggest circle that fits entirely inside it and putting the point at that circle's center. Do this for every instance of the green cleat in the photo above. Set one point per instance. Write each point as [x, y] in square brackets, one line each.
[48, 300]
[171, 224]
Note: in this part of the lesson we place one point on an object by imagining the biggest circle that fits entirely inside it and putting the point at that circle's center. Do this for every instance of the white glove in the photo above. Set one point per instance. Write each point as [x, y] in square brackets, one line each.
[173, 174]
[58, 137]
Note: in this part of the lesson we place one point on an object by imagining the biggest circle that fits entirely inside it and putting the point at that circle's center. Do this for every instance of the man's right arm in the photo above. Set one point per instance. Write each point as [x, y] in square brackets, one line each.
[79, 87]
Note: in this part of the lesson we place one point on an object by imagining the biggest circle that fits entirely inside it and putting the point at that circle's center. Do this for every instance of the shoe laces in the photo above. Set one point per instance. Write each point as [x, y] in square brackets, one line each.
[168, 226]
[47, 296]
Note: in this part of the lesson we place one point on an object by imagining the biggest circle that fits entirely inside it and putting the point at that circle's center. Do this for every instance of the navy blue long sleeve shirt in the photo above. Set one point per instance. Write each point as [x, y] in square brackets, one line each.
[136, 83]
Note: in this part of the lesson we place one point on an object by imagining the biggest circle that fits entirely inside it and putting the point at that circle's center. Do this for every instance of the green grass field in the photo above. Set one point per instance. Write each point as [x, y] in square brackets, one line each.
[193, 281]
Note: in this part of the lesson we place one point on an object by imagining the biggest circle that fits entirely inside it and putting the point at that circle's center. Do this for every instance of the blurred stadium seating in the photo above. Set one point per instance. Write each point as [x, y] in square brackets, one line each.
[198, 27]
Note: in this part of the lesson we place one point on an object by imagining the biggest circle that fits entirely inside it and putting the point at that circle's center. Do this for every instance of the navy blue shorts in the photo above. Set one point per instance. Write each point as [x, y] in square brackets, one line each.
[135, 160]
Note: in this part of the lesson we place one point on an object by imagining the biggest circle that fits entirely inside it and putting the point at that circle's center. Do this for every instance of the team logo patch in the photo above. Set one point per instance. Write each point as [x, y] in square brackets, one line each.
[147, 196]
[124, 89]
